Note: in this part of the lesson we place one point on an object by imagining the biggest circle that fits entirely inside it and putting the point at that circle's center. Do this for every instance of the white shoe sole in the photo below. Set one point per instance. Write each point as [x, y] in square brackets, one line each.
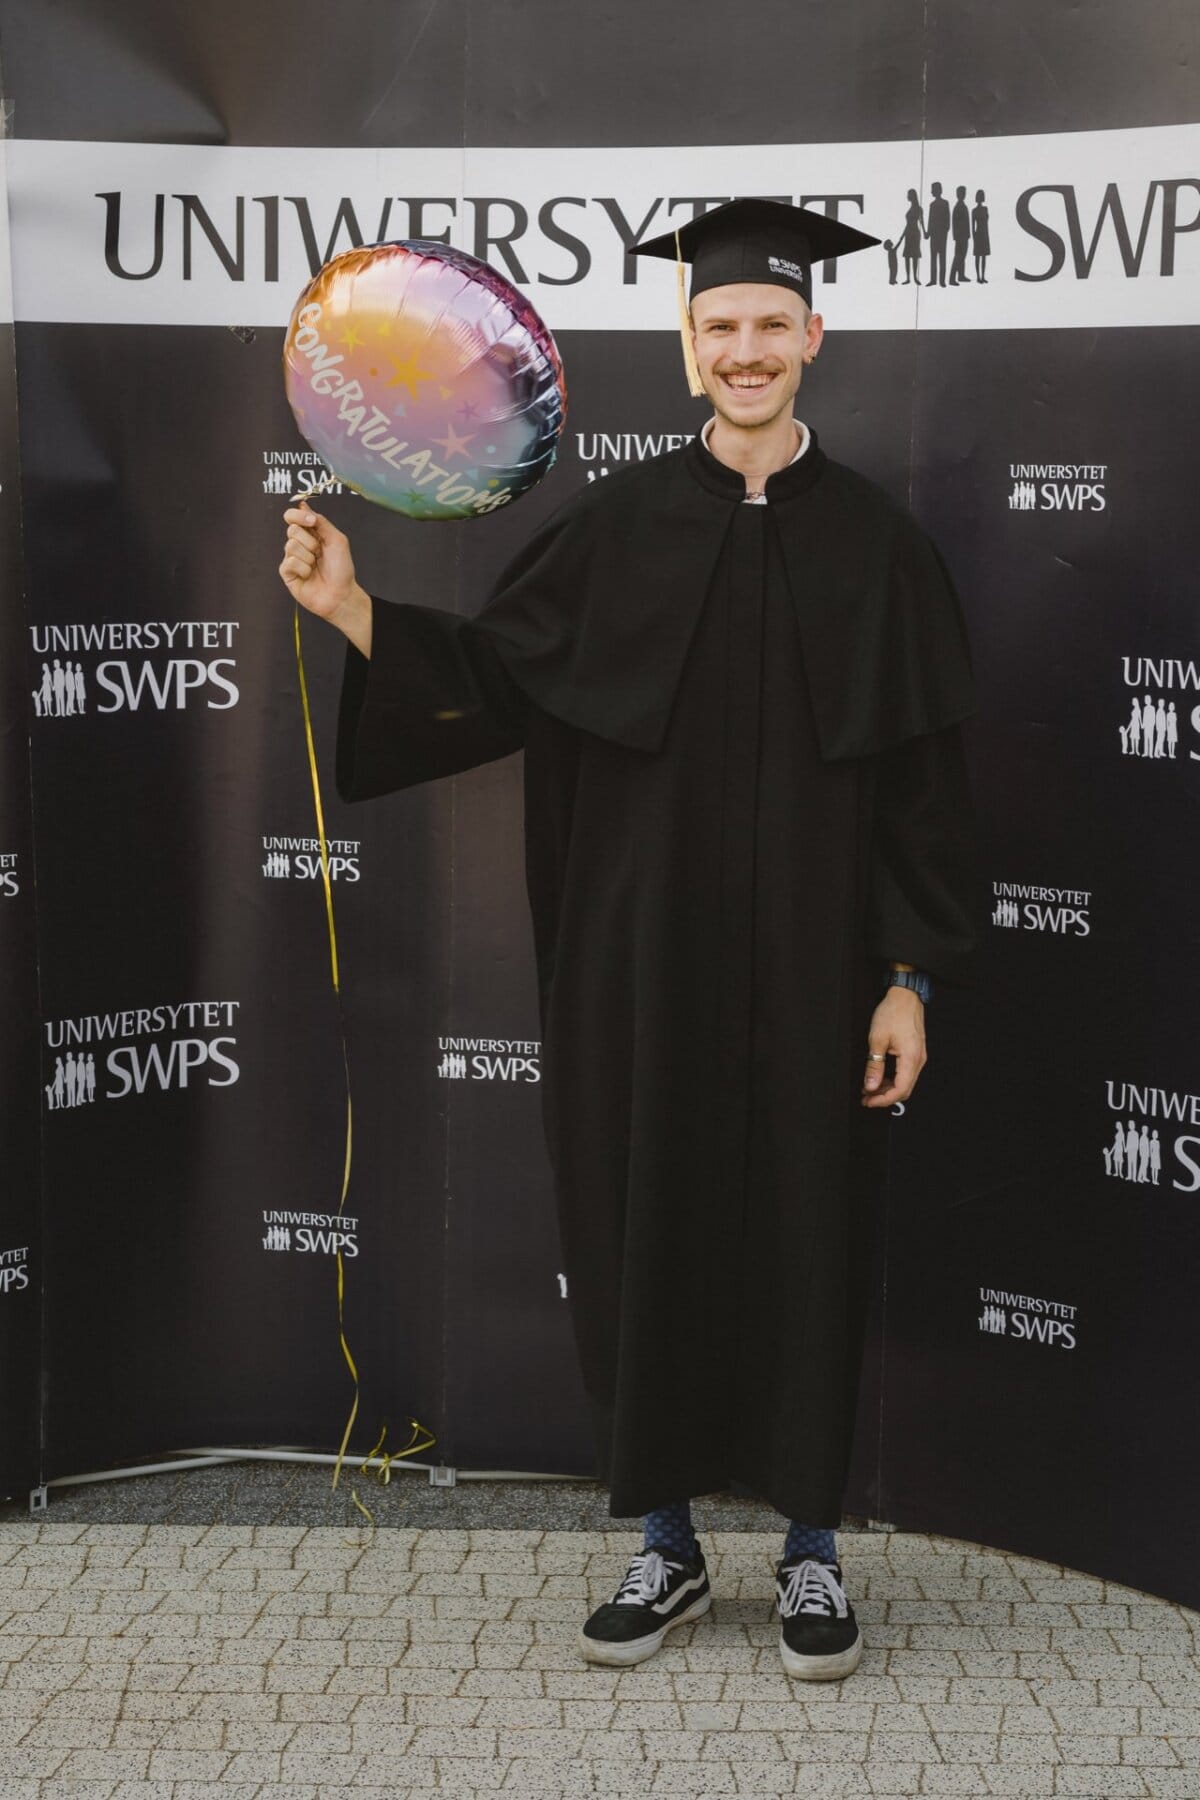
[622, 1655]
[821, 1668]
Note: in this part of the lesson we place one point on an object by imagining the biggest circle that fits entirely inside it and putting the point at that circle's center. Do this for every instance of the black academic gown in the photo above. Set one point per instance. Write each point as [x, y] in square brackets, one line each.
[745, 792]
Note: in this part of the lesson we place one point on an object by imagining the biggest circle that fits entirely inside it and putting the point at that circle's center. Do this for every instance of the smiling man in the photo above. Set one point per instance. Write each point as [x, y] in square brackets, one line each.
[738, 673]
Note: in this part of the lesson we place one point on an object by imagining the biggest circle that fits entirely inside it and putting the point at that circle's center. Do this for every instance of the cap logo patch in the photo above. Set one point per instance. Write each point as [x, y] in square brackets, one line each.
[781, 265]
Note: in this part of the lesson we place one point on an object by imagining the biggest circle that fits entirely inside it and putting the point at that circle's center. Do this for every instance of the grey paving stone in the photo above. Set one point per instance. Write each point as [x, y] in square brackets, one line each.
[529, 1775]
[203, 1790]
[1149, 1751]
[953, 1781]
[984, 1673]
[242, 1734]
[1090, 1783]
[1173, 1784]
[58, 1789]
[1021, 1782]
[99, 1765]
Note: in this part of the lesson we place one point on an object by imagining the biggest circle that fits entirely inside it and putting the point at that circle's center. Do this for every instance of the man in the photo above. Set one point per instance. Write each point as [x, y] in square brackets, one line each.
[937, 233]
[960, 230]
[738, 673]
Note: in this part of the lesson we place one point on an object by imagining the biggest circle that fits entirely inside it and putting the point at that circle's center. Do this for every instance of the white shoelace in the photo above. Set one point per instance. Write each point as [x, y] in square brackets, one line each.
[809, 1588]
[646, 1579]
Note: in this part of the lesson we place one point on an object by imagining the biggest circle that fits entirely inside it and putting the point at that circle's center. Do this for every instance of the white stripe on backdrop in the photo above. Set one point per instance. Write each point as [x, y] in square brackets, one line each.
[1088, 228]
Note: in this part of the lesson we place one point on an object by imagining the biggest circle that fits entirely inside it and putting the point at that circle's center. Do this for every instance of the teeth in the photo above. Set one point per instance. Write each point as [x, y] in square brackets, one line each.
[748, 381]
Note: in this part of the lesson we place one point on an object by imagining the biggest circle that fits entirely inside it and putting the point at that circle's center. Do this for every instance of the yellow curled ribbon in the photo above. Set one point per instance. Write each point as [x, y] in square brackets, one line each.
[413, 1446]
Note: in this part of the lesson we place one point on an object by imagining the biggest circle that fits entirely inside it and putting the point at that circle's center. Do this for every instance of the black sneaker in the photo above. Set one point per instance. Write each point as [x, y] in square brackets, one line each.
[819, 1639]
[660, 1590]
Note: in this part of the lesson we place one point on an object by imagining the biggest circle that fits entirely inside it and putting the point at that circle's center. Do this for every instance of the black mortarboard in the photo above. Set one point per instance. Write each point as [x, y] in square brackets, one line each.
[751, 240]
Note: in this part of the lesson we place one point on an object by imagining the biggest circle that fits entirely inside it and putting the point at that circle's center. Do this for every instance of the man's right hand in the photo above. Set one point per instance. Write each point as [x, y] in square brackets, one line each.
[318, 572]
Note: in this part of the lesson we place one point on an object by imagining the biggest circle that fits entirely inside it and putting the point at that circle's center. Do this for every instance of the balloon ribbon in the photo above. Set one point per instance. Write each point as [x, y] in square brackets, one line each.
[385, 1469]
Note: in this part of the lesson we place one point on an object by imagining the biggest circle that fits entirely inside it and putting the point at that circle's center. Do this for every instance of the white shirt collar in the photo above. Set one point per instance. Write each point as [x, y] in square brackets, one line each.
[801, 427]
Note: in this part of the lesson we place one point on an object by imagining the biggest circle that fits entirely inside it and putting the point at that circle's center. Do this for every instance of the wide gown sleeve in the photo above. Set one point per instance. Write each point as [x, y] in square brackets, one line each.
[925, 893]
[432, 699]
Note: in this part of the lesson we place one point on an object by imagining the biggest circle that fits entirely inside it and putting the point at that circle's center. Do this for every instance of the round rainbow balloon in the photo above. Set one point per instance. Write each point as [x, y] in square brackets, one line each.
[424, 379]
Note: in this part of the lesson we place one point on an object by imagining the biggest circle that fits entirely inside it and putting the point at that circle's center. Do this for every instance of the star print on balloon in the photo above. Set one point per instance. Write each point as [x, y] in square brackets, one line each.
[424, 379]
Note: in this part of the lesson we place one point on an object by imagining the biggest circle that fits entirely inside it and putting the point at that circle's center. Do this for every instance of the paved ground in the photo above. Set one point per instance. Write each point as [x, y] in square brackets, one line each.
[201, 1661]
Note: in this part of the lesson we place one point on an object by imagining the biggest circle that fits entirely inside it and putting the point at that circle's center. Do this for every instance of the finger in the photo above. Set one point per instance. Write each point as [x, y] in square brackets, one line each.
[298, 535]
[302, 553]
[874, 1080]
[883, 1093]
[902, 1081]
[293, 570]
[878, 1041]
[302, 515]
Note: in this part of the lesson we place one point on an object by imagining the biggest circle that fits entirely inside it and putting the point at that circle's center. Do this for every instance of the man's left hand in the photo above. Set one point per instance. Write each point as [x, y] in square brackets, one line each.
[898, 1029]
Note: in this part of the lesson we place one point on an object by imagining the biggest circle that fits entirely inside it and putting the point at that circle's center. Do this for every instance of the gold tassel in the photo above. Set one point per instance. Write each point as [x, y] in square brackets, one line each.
[695, 385]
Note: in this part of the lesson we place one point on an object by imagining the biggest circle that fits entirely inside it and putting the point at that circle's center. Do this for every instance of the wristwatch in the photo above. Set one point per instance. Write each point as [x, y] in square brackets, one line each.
[912, 978]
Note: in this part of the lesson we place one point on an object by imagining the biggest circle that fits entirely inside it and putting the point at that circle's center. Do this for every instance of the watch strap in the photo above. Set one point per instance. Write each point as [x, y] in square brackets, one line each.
[917, 979]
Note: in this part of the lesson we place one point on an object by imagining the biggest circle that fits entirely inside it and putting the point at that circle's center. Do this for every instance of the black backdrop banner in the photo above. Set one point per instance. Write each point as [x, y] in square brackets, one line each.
[172, 1081]
[20, 1211]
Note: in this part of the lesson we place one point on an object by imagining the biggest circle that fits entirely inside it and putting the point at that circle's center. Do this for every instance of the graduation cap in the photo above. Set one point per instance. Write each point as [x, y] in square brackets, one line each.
[751, 240]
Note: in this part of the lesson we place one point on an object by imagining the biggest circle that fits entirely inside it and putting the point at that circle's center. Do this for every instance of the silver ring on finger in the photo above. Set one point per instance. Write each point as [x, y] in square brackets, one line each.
[876, 1055]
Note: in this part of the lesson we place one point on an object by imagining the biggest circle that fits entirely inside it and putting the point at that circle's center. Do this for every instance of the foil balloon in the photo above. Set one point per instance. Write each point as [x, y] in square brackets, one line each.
[424, 380]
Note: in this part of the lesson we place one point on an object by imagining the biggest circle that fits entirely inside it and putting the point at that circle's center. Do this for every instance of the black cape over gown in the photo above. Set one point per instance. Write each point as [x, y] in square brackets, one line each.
[745, 793]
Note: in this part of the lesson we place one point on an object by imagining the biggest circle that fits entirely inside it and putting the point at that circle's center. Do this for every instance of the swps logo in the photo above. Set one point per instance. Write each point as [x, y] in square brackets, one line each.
[1136, 1151]
[14, 1270]
[600, 451]
[299, 858]
[1030, 1320]
[1057, 487]
[152, 1049]
[310, 1234]
[489, 1059]
[1156, 720]
[1021, 905]
[166, 666]
[298, 472]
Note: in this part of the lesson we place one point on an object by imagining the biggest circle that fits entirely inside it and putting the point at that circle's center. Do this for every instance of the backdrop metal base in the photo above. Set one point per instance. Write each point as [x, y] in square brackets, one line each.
[440, 1474]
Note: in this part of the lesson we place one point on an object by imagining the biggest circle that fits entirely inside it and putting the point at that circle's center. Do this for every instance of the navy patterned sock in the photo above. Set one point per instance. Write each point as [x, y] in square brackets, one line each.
[670, 1528]
[809, 1540]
